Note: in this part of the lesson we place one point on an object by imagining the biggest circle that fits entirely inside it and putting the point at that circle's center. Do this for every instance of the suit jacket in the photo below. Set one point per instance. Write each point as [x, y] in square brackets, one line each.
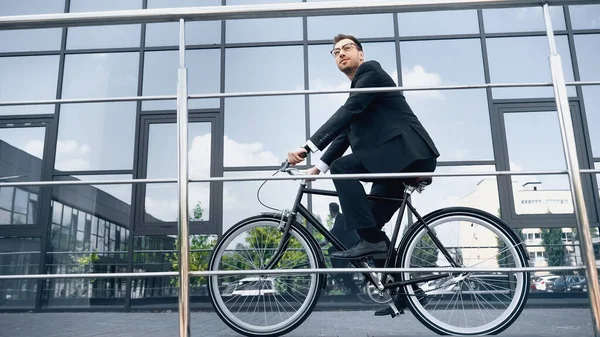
[348, 237]
[381, 128]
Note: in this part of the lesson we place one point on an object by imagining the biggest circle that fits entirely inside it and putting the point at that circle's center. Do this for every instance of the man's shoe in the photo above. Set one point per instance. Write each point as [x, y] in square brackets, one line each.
[400, 303]
[362, 249]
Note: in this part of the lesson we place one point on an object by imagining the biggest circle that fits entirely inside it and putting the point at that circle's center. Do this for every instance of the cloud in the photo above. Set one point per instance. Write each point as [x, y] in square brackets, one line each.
[70, 155]
[417, 76]
[247, 154]
[35, 148]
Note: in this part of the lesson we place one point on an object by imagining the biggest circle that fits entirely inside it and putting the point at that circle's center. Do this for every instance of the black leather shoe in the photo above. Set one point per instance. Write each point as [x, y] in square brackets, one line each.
[362, 249]
[400, 303]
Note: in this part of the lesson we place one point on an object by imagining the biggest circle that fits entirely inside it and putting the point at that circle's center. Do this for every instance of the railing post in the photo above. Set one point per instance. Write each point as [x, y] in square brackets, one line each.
[182, 188]
[568, 137]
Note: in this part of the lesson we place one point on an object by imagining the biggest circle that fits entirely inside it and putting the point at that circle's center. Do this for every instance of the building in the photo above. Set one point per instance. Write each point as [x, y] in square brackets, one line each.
[131, 227]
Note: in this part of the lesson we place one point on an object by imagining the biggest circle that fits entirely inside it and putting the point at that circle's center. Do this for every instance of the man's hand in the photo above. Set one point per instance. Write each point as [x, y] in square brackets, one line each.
[296, 156]
[313, 171]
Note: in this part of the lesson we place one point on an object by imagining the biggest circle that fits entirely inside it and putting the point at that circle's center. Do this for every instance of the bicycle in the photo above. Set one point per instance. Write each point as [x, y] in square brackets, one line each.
[278, 240]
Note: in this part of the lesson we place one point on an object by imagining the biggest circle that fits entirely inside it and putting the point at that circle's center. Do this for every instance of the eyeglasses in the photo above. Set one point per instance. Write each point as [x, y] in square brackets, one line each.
[336, 51]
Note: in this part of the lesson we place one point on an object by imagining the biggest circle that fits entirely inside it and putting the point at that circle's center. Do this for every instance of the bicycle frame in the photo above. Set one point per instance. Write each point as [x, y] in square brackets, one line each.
[298, 208]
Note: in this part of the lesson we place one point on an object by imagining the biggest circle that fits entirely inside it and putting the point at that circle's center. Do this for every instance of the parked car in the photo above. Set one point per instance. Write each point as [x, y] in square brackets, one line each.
[542, 283]
[566, 283]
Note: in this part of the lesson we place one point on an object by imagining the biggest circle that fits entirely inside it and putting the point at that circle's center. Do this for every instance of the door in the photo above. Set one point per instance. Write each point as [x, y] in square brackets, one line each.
[528, 138]
[157, 209]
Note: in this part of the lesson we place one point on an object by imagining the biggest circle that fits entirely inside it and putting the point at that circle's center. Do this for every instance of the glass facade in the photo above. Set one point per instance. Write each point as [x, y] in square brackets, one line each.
[123, 227]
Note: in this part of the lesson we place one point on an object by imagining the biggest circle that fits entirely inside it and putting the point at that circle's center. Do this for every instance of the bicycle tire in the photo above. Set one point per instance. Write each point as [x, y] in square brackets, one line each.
[307, 308]
[502, 227]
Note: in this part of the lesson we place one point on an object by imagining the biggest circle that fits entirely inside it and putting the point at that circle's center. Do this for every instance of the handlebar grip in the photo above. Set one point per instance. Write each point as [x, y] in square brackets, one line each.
[286, 164]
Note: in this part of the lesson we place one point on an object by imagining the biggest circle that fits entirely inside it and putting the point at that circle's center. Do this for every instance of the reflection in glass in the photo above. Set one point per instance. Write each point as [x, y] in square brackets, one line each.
[588, 54]
[21, 154]
[585, 16]
[89, 234]
[473, 191]
[117, 36]
[261, 130]
[100, 75]
[264, 69]
[198, 32]
[25, 7]
[161, 199]
[19, 256]
[591, 99]
[160, 77]
[240, 200]
[537, 148]
[457, 121]
[95, 136]
[30, 39]
[182, 3]
[262, 30]
[27, 78]
[525, 60]
[422, 66]
[438, 23]
[499, 20]
[597, 167]
[104, 5]
[362, 26]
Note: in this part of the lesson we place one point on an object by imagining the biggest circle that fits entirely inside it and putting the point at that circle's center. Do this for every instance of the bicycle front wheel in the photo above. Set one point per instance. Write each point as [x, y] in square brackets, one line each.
[264, 305]
[473, 303]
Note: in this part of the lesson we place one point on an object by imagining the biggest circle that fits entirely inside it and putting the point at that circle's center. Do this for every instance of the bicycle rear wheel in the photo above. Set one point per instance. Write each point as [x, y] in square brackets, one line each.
[264, 305]
[475, 303]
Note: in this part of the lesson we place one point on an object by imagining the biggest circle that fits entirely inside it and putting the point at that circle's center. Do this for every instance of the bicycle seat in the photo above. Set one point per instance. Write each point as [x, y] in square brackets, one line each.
[419, 181]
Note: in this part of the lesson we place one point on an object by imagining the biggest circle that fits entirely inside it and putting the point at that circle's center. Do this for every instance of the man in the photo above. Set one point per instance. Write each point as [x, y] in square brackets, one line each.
[348, 238]
[385, 137]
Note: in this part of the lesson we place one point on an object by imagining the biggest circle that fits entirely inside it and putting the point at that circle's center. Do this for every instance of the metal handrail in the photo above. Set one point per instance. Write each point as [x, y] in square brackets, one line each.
[290, 271]
[289, 93]
[211, 13]
[287, 177]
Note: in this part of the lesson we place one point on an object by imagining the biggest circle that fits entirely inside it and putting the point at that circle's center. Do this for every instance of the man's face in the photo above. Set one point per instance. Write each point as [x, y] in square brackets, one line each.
[347, 56]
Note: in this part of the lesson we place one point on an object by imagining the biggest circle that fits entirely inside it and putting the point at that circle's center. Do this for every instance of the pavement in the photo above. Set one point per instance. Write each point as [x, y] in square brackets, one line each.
[532, 322]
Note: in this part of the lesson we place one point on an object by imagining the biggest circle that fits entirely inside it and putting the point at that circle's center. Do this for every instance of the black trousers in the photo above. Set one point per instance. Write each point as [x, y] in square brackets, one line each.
[361, 212]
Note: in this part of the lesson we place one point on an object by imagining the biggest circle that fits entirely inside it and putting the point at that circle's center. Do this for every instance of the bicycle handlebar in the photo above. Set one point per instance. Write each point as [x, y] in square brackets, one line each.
[286, 164]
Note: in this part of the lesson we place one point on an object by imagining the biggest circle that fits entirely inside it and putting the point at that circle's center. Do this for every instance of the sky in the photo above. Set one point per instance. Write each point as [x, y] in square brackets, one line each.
[260, 131]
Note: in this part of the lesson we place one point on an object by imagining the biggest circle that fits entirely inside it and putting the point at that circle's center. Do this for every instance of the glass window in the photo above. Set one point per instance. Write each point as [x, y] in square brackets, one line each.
[25, 7]
[585, 16]
[101, 75]
[524, 19]
[543, 151]
[19, 256]
[261, 30]
[167, 33]
[264, 69]
[28, 78]
[103, 37]
[161, 199]
[477, 191]
[588, 55]
[362, 26]
[160, 77]
[422, 66]
[95, 136]
[547, 248]
[182, 3]
[591, 99]
[21, 149]
[258, 132]
[153, 253]
[104, 5]
[438, 23]
[110, 202]
[525, 60]
[30, 39]
[240, 200]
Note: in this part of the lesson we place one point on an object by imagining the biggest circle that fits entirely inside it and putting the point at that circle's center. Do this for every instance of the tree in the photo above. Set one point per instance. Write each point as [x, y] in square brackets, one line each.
[200, 249]
[503, 255]
[553, 245]
[426, 252]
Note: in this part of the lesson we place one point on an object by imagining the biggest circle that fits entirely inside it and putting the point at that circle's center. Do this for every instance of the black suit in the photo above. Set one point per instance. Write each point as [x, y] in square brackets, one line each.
[385, 137]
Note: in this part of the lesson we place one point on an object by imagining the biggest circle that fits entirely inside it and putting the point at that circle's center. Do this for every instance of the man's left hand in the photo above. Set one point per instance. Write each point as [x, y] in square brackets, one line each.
[296, 156]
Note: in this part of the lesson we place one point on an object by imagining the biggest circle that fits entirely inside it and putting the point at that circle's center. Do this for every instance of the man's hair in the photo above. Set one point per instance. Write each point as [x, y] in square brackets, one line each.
[333, 207]
[340, 37]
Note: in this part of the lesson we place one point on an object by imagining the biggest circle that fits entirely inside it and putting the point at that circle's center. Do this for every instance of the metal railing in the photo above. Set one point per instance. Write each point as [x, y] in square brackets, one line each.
[314, 9]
